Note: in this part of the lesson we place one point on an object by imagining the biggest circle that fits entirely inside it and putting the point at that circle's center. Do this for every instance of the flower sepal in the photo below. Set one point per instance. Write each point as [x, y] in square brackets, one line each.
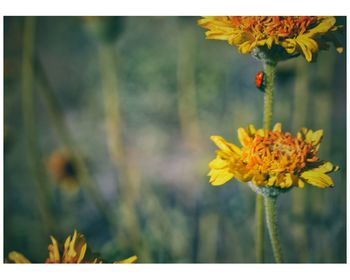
[272, 55]
[268, 191]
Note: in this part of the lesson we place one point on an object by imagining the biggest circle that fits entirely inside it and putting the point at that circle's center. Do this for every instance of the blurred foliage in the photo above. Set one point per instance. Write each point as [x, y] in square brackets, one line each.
[158, 89]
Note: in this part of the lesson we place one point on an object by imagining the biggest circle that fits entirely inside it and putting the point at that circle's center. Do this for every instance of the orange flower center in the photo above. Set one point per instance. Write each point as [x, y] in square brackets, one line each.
[273, 26]
[278, 152]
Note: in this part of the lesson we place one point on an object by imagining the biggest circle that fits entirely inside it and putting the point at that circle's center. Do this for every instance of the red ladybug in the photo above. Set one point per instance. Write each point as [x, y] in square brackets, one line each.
[260, 80]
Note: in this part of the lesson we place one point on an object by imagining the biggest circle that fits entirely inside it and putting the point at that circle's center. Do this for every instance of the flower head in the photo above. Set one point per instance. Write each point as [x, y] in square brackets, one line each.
[276, 37]
[74, 251]
[63, 168]
[272, 159]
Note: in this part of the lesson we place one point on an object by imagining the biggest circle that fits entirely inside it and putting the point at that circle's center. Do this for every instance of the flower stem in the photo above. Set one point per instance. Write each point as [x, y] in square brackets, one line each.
[269, 68]
[271, 220]
[31, 133]
[128, 179]
[259, 238]
[268, 98]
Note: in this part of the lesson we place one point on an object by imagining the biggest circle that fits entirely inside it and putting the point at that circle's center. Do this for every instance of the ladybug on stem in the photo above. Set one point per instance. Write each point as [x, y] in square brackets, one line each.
[260, 80]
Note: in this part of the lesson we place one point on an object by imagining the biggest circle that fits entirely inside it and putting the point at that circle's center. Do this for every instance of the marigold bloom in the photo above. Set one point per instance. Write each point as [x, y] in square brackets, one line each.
[290, 35]
[74, 251]
[272, 159]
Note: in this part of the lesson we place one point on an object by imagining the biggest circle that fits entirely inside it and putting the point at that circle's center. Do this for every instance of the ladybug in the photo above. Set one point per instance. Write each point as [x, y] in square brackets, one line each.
[260, 80]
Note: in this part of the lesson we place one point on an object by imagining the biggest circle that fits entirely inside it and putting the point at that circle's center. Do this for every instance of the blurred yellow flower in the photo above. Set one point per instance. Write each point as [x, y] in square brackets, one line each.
[272, 159]
[291, 34]
[74, 251]
[63, 169]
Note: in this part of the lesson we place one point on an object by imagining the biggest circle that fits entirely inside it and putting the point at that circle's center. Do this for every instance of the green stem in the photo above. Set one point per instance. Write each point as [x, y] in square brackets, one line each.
[271, 220]
[259, 238]
[268, 98]
[129, 188]
[28, 107]
[269, 68]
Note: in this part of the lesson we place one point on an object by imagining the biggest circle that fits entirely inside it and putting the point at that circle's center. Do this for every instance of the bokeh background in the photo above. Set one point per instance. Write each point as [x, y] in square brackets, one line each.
[131, 103]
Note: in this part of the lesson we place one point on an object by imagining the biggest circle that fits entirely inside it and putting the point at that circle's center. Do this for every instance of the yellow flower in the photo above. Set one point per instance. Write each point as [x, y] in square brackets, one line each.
[74, 251]
[291, 34]
[272, 159]
[63, 169]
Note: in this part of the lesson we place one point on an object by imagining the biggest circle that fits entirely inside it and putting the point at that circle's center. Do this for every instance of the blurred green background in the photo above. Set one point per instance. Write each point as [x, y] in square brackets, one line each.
[134, 100]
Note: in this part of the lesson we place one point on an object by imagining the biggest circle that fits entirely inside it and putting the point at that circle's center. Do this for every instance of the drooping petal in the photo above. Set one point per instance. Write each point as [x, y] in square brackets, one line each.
[17, 257]
[131, 259]
[324, 26]
[220, 176]
[325, 167]
[307, 45]
[317, 179]
[218, 163]
[224, 145]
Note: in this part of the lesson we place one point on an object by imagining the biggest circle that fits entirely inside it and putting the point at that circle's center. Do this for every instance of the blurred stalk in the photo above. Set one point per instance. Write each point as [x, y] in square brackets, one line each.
[208, 237]
[323, 102]
[128, 174]
[113, 118]
[57, 117]
[187, 104]
[28, 107]
[299, 197]
[186, 87]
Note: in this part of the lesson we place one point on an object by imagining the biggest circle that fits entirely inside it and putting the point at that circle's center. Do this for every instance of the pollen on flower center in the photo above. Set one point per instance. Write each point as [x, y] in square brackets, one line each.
[282, 26]
[278, 152]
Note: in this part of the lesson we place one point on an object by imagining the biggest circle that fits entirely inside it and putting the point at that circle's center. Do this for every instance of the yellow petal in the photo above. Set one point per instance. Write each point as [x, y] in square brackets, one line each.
[243, 137]
[271, 181]
[246, 47]
[277, 127]
[260, 132]
[66, 243]
[269, 42]
[302, 133]
[219, 177]
[317, 179]
[71, 251]
[216, 36]
[340, 49]
[316, 137]
[259, 180]
[288, 181]
[17, 257]
[224, 145]
[307, 46]
[56, 253]
[132, 259]
[300, 183]
[218, 163]
[251, 130]
[325, 168]
[324, 26]
[289, 45]
[82, 253]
